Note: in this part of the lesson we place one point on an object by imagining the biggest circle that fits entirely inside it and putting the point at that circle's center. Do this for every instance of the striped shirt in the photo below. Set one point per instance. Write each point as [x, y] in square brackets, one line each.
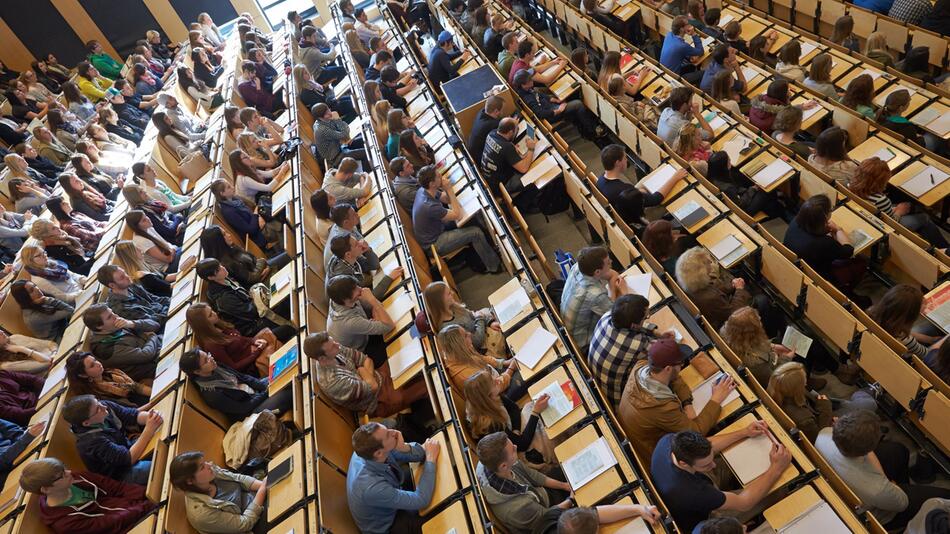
[344, 385]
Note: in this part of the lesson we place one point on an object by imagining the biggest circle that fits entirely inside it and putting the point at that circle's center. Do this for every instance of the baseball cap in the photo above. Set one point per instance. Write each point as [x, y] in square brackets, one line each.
[112, 92]
[664, 352]
[445, 37]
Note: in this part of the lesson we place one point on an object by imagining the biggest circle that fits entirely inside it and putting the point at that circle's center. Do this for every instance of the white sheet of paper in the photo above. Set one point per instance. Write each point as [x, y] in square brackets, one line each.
[820, 518]
[558, 404]
[588, 463]
[858, 238]
[400, 306]
[925, 181]
[939, 315]
[405, 358]
[535, 347]
[773, 171]
[749, 73]
[507, 309]
[639, 284]
[725, 247]
[925, 117]
[55, 378]
[725, 19]
[873, 74]
[885, 154]
[734, 147]
[659, 177]
[806, 113]
[797, 341]
[749, 458]
[942, 125]
[717, 122]
[703, 393]
[807, 48]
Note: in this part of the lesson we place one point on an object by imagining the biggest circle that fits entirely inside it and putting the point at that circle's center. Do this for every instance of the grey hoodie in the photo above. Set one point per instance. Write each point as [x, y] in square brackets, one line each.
[518, 512]
[657, 389]
[351, 327]
[314, 59]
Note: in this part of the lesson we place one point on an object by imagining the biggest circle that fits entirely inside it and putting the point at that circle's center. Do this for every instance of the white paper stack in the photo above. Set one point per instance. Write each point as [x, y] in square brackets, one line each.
[659, 177]
[535, 348]
[405, 358]
[772, 172]
[749, 458]
[639, 284]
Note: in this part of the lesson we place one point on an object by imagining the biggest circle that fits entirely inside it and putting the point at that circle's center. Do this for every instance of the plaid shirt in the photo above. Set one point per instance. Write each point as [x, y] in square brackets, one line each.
[505, 485]
[910, 11]
[344, 385]
[613, 353]
[585, 300]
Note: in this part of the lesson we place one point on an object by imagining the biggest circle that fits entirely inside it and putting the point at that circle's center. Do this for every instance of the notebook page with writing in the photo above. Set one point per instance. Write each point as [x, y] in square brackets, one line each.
[660, 177]
[797, 341]
[559, 404]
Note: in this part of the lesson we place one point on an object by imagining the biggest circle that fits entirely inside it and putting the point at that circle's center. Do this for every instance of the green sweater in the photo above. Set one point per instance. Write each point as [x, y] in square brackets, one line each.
[106, 66]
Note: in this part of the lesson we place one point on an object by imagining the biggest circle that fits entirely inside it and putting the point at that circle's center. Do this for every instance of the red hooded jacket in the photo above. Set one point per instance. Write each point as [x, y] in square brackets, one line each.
[117, 507]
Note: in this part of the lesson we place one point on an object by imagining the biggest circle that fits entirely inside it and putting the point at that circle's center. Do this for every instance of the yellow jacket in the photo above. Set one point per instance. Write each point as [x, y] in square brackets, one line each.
[94, 90]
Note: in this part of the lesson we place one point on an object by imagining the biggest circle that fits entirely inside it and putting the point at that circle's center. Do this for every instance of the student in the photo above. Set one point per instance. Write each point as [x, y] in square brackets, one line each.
[346, 252]
[550, 108]
[690, 146]
[234, 394]
[217, 500]
[910, 12]
[896, 313]
[87, 376]
[870, 183]
[347, 185]
[27, 197]
[102, 430]
[50, 147]
[506, 58]
[680, 44]
[65, 130]
[14, 229]
[132, 346]
[18, 167]
[831, 155]
[628, 200]
[619, 341]
[81, 501]
[541, 73]
[491, 40]
[430, 218]
[50, 275]
[205, 69]
[87, 172]
[331, 136]
[234, 303]
[517, 495]
[104, 63]
[659, 240]
[444, 308]
[393, 89]
[787, 65]
[26, 354]
[442, 59]
[938, 359]
[227, 345]
[732, 32]
[145, 177]
[875, 470]
[766, 106]
[351, 323]
[746, 336]
[46, 317]
[414, 148]
[397, 121]
[404, 183]
[236, 211]
[346, 222]
[252, 181]
[111, 121]
[859, 95]
[813, 237]
[349, 378]
[378, 62]
[891, 116]
[610, 69]
[679, 111]
[321, 201]
[591, 287]
[680, 465]
[710, 23]
[819, 76]
[503, 164]
[128, 299]
[698, 273]
[220, 244]
[461, 361]
[584, 520]
[723, 91]
[723, 58]
[145, 84]
[252, 91]
[787, 124]
[843, 34]
[316, 60]
[378, 491]
[876, 47]
[311, 93]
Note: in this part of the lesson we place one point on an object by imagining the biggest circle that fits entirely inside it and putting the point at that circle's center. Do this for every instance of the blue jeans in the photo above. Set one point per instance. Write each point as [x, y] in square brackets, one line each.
[452, 240]
[330, 72]
[138, 474]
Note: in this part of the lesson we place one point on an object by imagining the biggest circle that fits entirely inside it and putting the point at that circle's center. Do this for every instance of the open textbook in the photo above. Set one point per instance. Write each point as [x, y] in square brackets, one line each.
[797, 341]
[511, 306]
[588, 463]
[562, 399]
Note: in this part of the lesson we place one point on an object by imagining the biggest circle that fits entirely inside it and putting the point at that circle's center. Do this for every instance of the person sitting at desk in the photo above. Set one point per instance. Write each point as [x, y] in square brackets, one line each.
[19, 393]
[253, 93]
[677, 49]
[234, 303]
[679, 111]
[689, 145]
[316, 60]
[377, 488]
[831, 155]
[87, 376]
[393, 89]
[551, 108]
[227, 345]
[591, 287]
[485, 122]
[506, 58]
[819, 76]
[680, 466]
[870, 183]
[788, 57]
[357, 318]
[405, 184]
[517, 495]
[491, 40]
[503, 164]
[766, 106]
[130, 300]
[220, 244]
[346, 185]
[431, 223]
[786, 126]
[232, 393]
[52, 276]
[268, 131]
[876, 470]
[81, 501]
[349, 378]
[859, 96]
[241, 216]
[46, 317]
[587, 520]
[414, 148]
[102, 430]
[311, 93]
[346, 251]
[346, 222]
[132, 346]
[103, 62]
[620, 339]
[891, 116]
[896, 313]
[627, 199]
[331, 137]
[745, 335]
[655, 400]
[442, 60]
[217, 500]
[50, 147]
[543, 73]
[378, 62]
[397, 121]
[462, 360]
[723, 58]
[813, 237]
[444, 308]
[26, 354]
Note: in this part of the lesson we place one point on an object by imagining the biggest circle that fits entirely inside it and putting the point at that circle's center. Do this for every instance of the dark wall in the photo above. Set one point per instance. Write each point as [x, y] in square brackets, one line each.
[122, 22]
[52, 35]
[220, 11]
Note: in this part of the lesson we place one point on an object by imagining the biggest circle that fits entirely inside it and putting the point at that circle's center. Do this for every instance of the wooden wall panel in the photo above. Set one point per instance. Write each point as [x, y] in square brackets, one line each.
[42, 29]
[14, 54]
[171, 24]
[84, 26]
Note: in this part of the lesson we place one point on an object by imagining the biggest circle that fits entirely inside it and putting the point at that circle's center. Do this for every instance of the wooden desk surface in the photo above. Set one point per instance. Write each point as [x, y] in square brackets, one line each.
[658, 290]
[666, 319]
[790, 472]
[786, 510]
[694, 195]
[518, 338]
[445, 482]
[931, 197]
[504, 292]
[406, 341]
[560, 376]
[296, 523]
[627, 526]
[870, 147]
[719, 231]
[766, 157]
[849, 221]
[606, 482]
[289, 491]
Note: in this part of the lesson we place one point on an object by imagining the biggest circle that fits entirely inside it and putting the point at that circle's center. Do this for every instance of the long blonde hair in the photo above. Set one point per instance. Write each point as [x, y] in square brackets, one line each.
[380, 114]
[484, 411]
[745, 335]
[455, 347]
[687, 140]
[28, 254]
[12, 161]
[245, 142]
[788, 384]
[130, 259]
[877, 41]
[434, 297]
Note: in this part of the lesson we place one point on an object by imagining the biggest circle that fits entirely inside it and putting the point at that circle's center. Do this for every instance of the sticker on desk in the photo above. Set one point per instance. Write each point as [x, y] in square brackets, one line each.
[588, 463]
[562, 400]
[639, 284]
[535, 347]
[797, 341]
